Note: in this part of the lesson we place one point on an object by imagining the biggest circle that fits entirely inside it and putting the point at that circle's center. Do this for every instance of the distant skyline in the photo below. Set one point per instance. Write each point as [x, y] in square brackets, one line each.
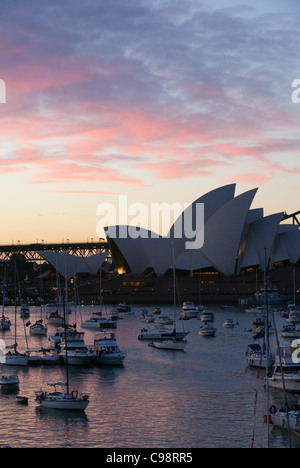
[159, 100]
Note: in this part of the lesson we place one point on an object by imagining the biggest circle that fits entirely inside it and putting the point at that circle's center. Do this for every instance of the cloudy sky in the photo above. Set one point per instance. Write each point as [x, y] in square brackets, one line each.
[162, 100]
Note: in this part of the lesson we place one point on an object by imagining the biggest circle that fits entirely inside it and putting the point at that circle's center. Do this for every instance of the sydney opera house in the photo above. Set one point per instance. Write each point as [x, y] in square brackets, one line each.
[223, 257]
[235, 238]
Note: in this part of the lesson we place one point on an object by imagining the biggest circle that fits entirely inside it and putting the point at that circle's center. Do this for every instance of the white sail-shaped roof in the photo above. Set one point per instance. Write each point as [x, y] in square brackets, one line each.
[68, 265]
[223, 232]
[260, 240]
[235, 237]
[132, 249]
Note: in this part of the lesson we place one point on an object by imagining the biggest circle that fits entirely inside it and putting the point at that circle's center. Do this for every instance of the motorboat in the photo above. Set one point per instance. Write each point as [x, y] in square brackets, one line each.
[143, 313]
[9, 378]
[4, 323]
[279, 418]
[149, 318]
[160, 332]
[189, 310]
[165, 320]
[256, 356]
[55, 318]
[25, 311]
[22, 399]
[62, 400]
[50, 357]
[207, 330]
[97, 322]
[207, 316]
[294, 316]
[290, 331]
[287, 368]
[78, 357]
[170, 344]
[106, 350]
[228, 323]
[74, 351]
[269, 295]
[38, 328]
[123, 307]
[113, 315]
[56, 339]
[259, 324]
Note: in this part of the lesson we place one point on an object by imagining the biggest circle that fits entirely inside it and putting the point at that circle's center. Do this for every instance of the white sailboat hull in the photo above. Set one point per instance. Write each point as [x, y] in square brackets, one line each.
[291, 382]
[16, 360]
[170, 344]
[161, 333]
[62, 401]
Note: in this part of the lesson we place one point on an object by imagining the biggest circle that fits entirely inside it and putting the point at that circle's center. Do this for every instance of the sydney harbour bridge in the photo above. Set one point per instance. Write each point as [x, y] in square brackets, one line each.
[82, 249]
[31, 251]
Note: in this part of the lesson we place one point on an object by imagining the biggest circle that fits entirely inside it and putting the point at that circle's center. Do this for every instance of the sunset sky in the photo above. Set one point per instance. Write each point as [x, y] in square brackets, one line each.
[162, 100]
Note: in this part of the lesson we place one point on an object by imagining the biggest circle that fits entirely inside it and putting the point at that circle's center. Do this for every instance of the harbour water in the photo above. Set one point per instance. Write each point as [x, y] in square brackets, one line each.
[205, 396]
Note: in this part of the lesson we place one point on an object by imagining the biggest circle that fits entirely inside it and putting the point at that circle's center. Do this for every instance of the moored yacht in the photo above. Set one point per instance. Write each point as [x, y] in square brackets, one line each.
[207, 329]
[229, 323]
[207, 316]
[15, 358]
[38, 328]
[55, 318]
[25, 311]
[256, 356]
[171, 344]
[62, 400]
[9, 378]
[96, 322]
[290, 331]
[189, 310]
[106, 350]
[287, 368]
[74, 351]
[160, 332]
[4, 323]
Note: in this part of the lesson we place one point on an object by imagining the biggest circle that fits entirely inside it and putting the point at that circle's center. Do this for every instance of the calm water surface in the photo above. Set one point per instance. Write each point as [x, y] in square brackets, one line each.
[205, 396]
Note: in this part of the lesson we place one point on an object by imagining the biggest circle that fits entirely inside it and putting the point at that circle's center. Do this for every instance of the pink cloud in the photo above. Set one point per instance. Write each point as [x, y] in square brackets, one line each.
[249, 179]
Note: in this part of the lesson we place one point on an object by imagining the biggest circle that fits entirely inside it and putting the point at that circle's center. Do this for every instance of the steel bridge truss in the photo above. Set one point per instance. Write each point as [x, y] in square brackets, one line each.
[30, 251]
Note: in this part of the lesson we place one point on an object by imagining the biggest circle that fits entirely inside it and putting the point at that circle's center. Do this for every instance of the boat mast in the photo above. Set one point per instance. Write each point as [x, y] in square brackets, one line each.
[15, 290]
[66, 325]
[3, 305]
[266, 314]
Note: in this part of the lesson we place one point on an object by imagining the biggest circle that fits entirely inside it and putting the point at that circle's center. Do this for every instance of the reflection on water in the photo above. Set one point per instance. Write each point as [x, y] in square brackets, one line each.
[203, 397]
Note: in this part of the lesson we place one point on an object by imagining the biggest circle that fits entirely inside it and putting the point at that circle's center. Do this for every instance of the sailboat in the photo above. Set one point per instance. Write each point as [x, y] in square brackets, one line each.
[172, 342]
[65, 400]
[55, 318]
[62, 400]
[257, 355]
[14, 358]
[38, 328]
[97, 321]
[4, 321]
